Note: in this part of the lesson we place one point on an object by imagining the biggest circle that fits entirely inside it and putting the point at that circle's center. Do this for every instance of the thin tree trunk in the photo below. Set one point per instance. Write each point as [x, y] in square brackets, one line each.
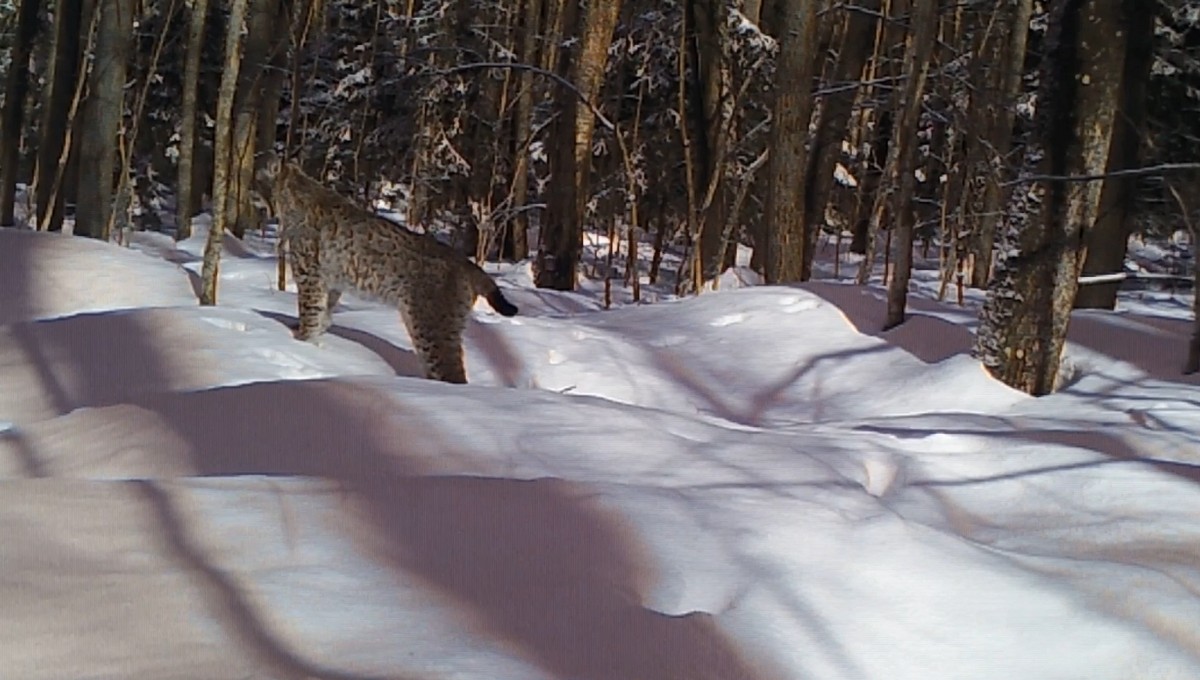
[785, 219]
[187, 200]
[1192, 363]
[921, 39]
[62, 77]
[223, 164]
[518, 240]
[12, 126]
[1023, 323]
[102, 113]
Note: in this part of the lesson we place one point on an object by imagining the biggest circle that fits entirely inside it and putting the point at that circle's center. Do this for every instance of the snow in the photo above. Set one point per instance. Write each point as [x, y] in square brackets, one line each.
[754, 483]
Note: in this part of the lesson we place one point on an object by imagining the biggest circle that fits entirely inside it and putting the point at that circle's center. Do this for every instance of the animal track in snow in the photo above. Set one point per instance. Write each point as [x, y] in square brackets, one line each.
[794, 304]
[727, 320]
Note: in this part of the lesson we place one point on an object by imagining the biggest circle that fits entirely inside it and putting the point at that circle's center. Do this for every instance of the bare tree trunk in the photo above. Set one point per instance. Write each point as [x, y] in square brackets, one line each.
[1192, 363]
[262, 18]
[102, 113]
[223, 165]
[12, 126]
[1106, 244]
[1017, 14]
[1023, 324]
[876, 124]
[562, 237]
[835, 116]
[518, 240]
[922, 37]
[711, 57]
[187, 200]
[62, 78]
[786, 240]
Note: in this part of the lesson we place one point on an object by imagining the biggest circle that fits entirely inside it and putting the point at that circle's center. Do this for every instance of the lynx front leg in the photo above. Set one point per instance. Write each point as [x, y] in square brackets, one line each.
[437, 338]
[312, 301]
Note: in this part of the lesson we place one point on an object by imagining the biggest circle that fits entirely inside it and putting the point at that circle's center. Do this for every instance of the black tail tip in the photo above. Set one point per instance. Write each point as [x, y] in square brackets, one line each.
[501, 304]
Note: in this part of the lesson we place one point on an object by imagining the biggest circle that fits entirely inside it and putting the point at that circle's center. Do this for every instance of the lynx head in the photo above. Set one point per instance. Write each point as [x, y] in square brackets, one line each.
[270, 164]
[270, 167]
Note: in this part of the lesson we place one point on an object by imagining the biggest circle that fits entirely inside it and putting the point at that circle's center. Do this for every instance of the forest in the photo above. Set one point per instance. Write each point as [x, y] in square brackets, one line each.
[1017, 145]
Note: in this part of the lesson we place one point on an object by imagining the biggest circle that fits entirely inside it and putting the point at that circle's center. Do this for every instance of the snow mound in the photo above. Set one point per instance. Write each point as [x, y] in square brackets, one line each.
[45, 275]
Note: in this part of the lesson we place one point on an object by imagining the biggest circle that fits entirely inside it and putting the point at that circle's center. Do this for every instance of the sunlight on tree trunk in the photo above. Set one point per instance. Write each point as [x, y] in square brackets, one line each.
[1023, 324]
[223, 163]
[1107, 241]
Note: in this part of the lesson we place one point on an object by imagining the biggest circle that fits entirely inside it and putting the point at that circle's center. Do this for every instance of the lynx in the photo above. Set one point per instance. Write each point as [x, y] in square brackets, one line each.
[337, 245]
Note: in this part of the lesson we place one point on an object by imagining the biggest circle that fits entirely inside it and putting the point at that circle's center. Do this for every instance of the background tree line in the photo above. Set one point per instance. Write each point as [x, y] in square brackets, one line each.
[888, 128]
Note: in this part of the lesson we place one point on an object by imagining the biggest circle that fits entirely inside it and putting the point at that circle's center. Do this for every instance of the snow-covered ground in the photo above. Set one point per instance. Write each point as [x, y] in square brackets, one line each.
[752, 484]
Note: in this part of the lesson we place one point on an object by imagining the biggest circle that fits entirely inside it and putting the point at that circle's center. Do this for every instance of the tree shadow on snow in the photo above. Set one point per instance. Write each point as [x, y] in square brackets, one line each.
[539, 564]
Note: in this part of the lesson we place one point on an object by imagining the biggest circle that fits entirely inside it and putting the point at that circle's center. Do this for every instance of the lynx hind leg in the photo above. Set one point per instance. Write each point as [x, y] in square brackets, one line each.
[437, 337]
[312, 303]
[332, 299]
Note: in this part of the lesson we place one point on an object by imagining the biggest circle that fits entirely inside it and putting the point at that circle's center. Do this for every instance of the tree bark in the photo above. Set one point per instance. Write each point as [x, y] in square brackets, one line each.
[921, 39]
[188, 202]
[710, 54]
[835, 117]
[517, 243]
[562, 237]
[62, 79]
[1023, 323]
[223, 165]
[262, 17]
[1016, 15]
[101, 120]
[1107, 241]
[786, 240]
[12, 126]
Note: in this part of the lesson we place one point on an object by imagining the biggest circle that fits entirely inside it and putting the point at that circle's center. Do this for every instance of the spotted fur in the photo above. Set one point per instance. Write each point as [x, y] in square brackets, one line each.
[335, 245]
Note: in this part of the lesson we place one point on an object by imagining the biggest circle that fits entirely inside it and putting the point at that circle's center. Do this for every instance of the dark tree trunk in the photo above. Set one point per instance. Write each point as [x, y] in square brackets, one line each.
[187, 196]
[17, 87]
[102, 113]
[562, 232]
[1015, 16]
[517, 243]
[835, 116]
[710, 54]
[261, 37]
[786, 223]
[62, 79]
[921, 39]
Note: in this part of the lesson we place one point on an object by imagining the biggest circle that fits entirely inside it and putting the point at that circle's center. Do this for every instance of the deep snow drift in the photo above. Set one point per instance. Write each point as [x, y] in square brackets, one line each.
[749, 484]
